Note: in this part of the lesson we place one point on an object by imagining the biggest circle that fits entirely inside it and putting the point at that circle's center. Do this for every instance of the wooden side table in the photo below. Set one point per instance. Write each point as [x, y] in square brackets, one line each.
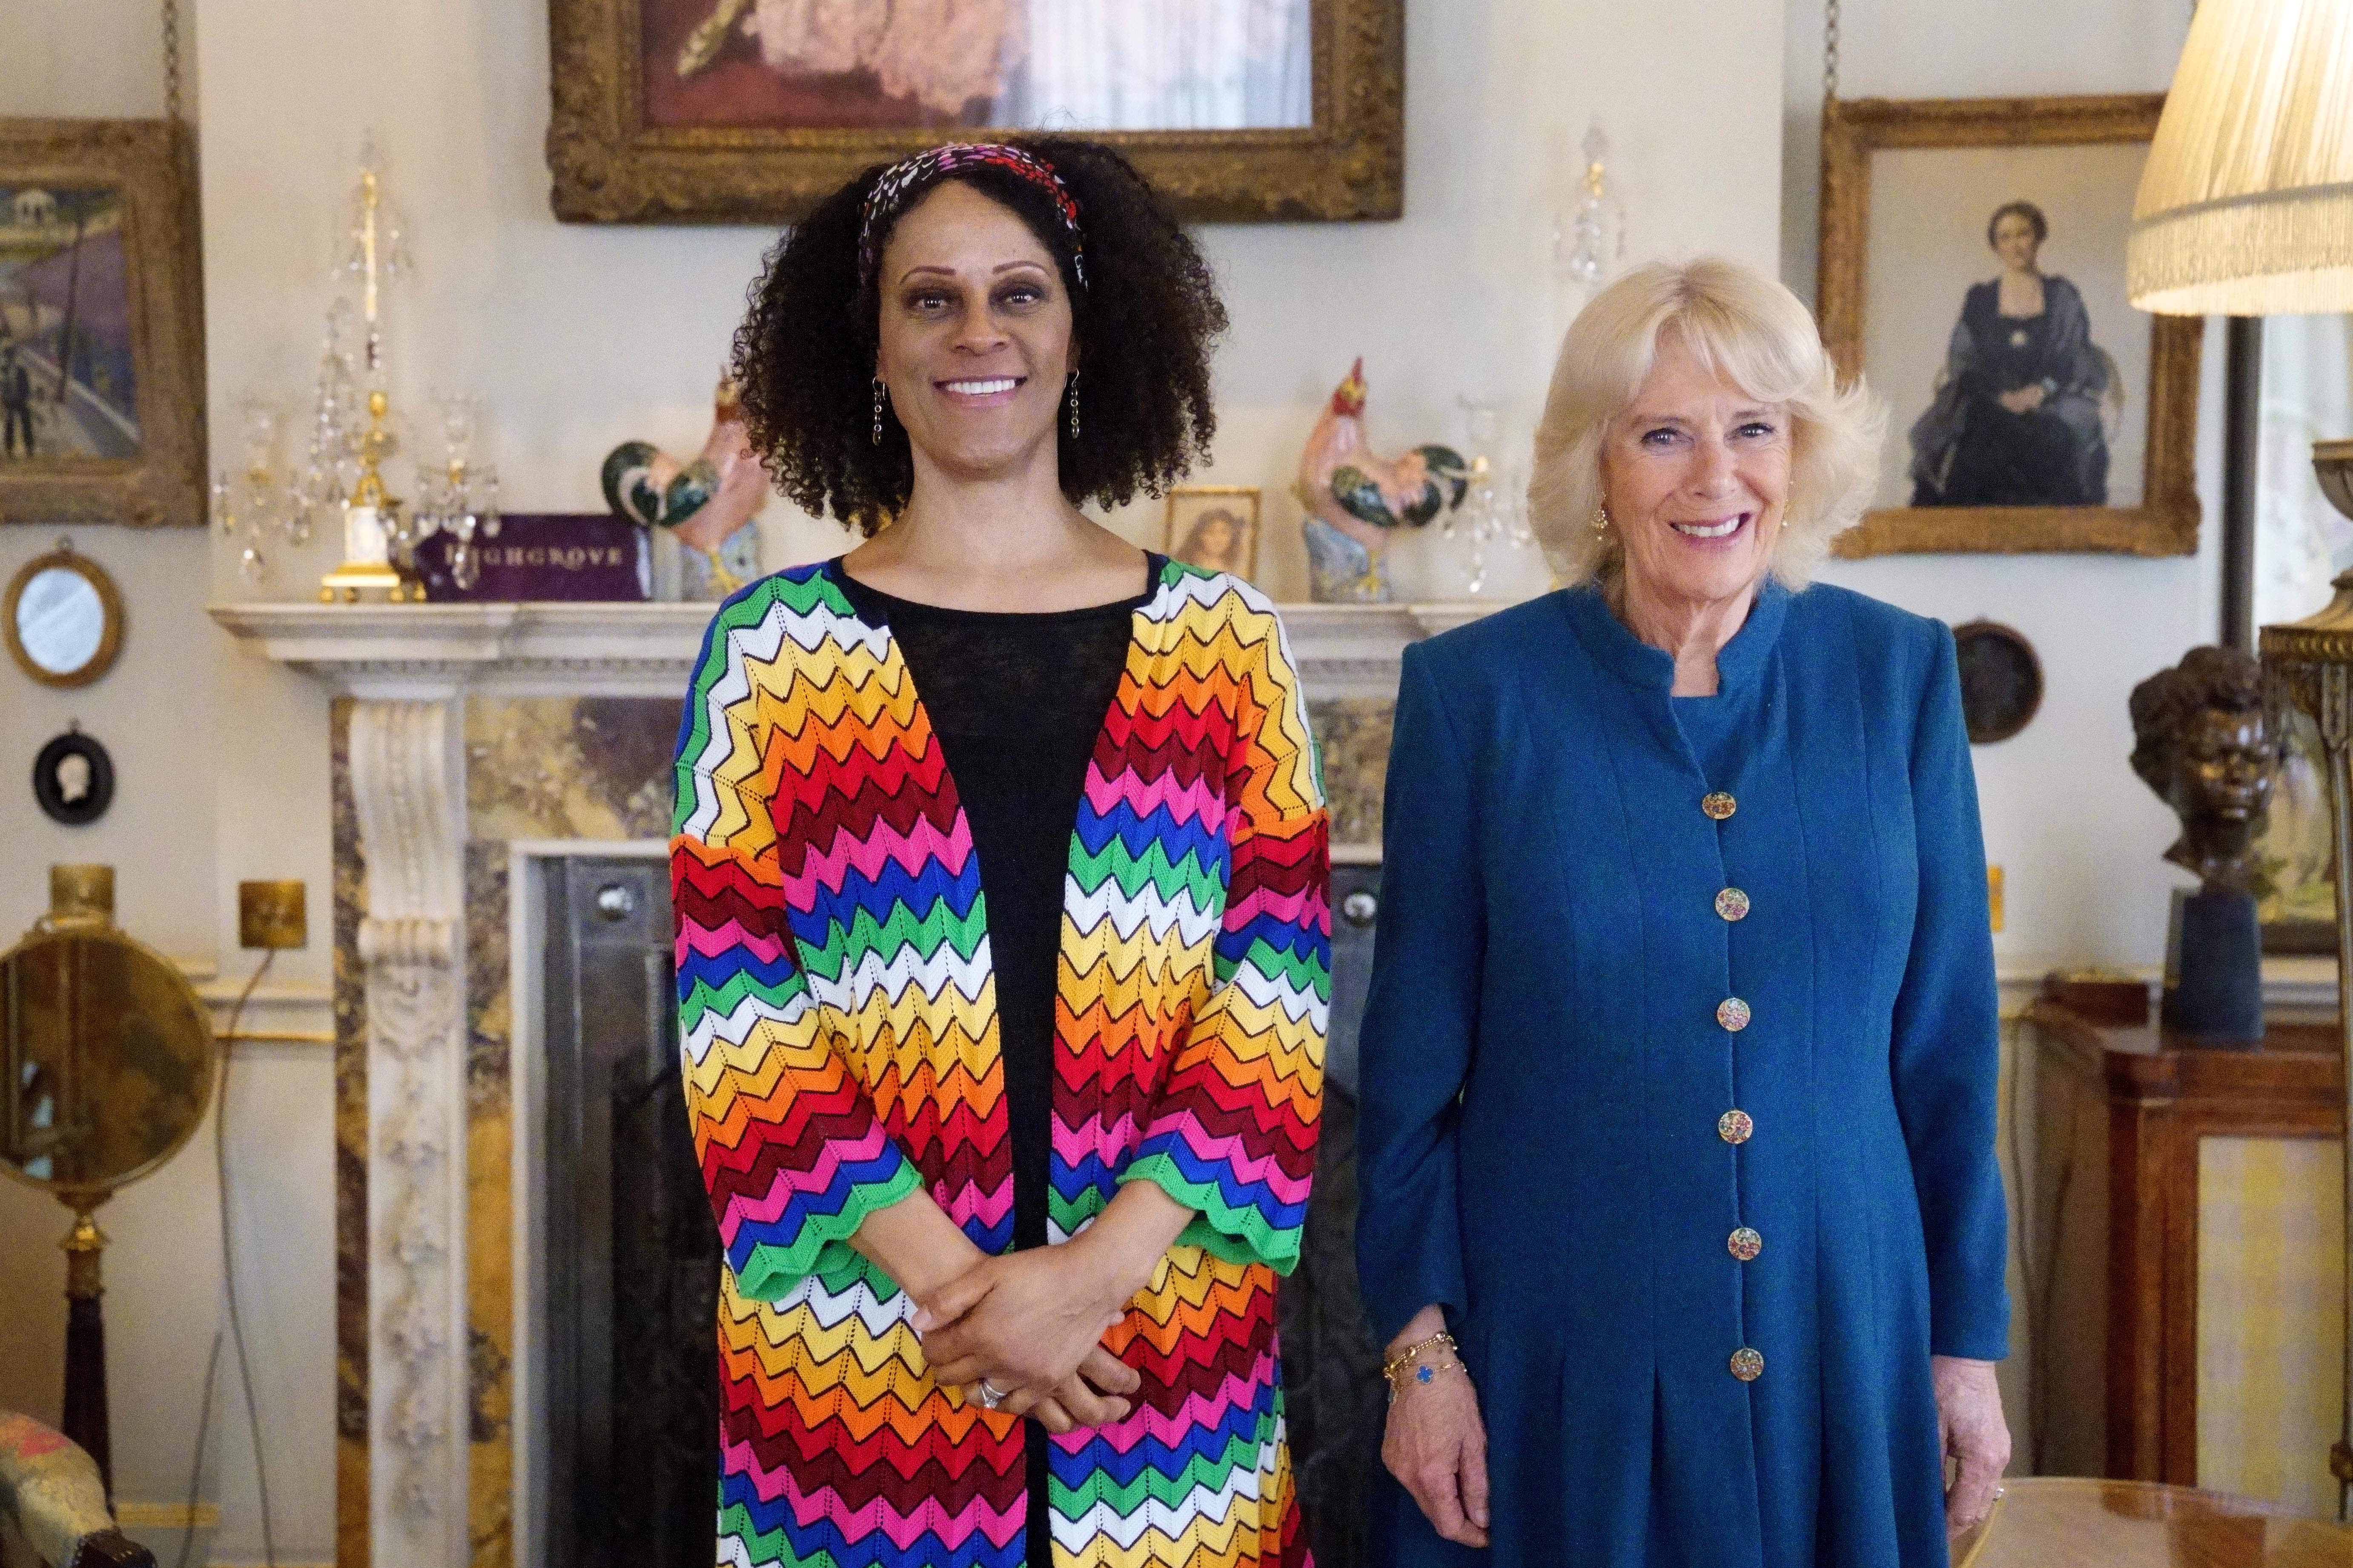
[2059, 1522]
[2120, 1116]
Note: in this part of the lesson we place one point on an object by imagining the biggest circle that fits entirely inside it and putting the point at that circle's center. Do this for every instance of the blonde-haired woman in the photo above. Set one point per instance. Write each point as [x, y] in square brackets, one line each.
[1680, 1210]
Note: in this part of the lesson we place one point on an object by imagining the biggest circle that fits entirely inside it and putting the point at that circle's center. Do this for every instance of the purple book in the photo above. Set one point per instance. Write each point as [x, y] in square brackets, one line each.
[544, 555]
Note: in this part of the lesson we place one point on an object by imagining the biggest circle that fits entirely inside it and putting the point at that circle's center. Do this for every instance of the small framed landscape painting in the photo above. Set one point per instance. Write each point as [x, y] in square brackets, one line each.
[101, 341]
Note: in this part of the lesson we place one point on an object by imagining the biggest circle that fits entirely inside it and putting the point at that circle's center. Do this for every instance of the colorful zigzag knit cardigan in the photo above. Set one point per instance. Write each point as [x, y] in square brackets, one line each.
[838, 1028]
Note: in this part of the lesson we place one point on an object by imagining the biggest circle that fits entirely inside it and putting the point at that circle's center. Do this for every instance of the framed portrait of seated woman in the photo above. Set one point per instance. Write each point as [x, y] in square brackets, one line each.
[1972, 270]
[750, 111]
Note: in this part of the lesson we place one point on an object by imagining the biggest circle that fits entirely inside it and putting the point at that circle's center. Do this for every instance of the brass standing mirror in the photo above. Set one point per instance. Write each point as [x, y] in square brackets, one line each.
[107, 1064]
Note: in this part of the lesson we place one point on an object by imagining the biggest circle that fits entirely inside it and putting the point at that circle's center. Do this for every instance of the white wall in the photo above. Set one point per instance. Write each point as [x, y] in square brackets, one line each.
[2077, 834]
[197, 755]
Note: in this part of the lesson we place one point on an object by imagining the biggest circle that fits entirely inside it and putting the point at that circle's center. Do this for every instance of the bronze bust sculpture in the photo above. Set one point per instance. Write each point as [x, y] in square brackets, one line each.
[2201, 740]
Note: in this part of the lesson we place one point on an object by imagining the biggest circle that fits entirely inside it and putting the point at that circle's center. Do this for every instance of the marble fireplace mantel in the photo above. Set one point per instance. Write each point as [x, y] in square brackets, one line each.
[432, 652]
[417, 1486]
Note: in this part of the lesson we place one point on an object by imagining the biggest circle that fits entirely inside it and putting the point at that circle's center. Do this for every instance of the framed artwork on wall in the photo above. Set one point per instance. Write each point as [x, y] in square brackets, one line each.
[750, 111]
[1214, 527]
[1972, 269]
[102, 335]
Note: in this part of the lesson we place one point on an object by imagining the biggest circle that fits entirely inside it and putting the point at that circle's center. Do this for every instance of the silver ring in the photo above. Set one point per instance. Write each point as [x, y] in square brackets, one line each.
[1998, 1492]
[989, 1394]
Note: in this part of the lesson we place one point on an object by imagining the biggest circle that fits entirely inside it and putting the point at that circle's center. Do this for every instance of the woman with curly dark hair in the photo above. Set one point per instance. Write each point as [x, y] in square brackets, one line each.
[999, 869]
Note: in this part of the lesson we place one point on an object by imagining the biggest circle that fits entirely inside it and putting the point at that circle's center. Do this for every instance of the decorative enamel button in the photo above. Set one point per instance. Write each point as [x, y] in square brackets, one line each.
[1732, 904]
[1733, 1014]
[1734, 1127]
[1745, 1244]
[1718, 804]
[1748, 1365]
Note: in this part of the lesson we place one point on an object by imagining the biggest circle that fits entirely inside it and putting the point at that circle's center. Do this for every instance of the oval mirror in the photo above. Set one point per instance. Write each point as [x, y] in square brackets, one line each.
[106, 1058]
[63, 618]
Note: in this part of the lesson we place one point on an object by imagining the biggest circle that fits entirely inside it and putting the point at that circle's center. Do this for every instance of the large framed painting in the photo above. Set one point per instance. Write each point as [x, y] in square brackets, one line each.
[101, 336]
[1972, 269]
[750, 111]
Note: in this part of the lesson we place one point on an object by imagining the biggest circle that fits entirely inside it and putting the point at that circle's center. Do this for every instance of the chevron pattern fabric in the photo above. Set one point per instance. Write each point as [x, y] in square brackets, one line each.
[838, 1026]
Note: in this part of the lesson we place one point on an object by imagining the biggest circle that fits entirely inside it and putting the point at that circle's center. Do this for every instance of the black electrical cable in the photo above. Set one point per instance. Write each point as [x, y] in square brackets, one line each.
[197, 1465]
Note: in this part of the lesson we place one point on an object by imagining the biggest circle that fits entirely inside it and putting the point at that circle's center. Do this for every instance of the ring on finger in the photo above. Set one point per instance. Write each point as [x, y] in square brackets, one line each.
[989, 1394]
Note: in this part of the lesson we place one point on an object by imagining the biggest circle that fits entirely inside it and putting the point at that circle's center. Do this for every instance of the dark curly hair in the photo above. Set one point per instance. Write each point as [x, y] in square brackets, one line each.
[2027, 210]
[2162, 705]
[1142, 327]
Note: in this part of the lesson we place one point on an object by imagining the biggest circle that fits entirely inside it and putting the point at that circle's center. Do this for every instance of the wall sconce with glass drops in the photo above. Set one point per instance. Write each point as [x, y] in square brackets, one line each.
[1495, 510]
[255, 504]
[270, 501]
[459, 497]
[1590, 238]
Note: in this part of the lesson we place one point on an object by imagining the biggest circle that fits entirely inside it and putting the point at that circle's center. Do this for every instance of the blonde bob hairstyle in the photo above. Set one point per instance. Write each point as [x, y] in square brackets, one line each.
[1745, 327]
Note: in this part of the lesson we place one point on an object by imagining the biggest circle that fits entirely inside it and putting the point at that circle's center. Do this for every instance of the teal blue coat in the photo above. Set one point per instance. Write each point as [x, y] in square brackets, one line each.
[1546, 1080]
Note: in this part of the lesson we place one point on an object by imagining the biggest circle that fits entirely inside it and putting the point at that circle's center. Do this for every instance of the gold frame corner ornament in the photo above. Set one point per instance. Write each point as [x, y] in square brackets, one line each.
[65, 558]
[2166, 522]
[153, 162]
[608, 166]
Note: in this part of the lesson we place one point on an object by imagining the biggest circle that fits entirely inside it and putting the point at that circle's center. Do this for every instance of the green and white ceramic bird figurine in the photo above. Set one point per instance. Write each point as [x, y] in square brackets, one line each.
[706, 506]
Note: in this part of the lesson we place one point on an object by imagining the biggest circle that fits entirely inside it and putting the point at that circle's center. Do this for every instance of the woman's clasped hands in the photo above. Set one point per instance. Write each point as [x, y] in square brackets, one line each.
[1029, 1326]
[1022, 1331]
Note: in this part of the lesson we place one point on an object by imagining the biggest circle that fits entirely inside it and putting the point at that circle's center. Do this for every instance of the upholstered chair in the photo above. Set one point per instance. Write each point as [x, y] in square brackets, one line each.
[53, 1511]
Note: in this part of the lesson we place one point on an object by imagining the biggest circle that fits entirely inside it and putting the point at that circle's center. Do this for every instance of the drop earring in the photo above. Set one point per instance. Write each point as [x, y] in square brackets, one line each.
[880, 393]
[1600, 519]
[1075, 405]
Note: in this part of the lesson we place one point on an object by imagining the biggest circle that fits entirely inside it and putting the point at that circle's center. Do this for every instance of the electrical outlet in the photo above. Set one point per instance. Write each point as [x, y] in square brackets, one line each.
[272, 914]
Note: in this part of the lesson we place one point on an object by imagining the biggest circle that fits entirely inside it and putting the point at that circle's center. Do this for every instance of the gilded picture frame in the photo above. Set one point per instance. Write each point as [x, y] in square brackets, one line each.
[613, 162]
[1215, 527]
[100, 236]
[2150, 508]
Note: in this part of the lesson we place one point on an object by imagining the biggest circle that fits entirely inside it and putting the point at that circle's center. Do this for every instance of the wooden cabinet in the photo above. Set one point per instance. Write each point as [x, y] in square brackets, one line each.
[2141, 1215]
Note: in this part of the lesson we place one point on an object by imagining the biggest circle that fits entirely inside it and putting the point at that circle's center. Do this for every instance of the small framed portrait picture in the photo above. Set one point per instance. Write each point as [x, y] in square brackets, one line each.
[1972, 271]
[1214, 527]
[73, 779]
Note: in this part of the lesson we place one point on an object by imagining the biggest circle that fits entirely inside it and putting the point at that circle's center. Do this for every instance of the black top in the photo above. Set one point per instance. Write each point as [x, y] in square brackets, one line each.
[2011, 351]
[1018, 701]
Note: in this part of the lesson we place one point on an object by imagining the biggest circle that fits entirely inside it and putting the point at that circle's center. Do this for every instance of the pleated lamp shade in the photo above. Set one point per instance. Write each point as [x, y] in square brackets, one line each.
[2246, 203]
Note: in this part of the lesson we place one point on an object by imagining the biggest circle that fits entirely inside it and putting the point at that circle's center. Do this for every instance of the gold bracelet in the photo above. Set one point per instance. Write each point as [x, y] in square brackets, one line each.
[1404, 1358]
[1424, 1373]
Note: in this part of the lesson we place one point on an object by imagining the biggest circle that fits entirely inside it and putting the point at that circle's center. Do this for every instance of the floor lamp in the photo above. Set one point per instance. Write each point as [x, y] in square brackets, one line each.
[2246, 209]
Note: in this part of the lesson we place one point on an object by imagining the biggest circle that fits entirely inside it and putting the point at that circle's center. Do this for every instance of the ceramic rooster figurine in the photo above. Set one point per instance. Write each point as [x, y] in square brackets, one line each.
[706, 505]
[1356, 500]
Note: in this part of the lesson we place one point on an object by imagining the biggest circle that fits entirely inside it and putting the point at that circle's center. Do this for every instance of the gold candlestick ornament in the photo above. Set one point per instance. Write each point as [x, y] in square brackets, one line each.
[371, 517]
[369, 522]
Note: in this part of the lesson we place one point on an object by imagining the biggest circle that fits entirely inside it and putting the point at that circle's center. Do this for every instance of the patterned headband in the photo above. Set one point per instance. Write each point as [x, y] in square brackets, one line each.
[909, 177]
